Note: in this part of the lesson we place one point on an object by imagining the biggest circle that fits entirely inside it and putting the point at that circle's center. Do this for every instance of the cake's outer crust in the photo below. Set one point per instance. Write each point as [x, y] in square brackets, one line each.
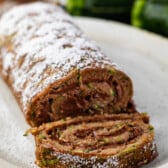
[40, 49]
[5, 6]
[101, 141]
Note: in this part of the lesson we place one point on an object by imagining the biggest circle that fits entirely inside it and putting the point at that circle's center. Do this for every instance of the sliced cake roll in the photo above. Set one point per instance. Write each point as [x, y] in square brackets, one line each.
[100, 141]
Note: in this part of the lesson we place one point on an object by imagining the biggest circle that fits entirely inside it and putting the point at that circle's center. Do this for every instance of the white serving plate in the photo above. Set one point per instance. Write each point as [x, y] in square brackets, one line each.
[144, 56]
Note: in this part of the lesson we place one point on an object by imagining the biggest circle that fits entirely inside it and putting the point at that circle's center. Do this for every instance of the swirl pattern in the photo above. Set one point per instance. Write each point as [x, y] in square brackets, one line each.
[118, 141]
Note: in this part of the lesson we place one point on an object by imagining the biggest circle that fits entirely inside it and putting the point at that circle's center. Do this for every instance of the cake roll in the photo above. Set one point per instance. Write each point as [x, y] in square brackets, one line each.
[5, 6]
[54, 70]
[100, 141]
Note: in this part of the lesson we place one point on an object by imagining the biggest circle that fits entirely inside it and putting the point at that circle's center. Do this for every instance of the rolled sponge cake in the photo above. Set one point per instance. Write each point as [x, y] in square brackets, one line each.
[60, 76]
[54, 70]
[6, 5]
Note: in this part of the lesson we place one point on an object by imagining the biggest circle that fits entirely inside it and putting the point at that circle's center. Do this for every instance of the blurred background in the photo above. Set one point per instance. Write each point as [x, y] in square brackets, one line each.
[151, 15]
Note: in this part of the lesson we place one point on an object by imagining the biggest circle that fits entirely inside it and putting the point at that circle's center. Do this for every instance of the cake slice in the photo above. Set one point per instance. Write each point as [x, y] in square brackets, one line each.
[100, 141]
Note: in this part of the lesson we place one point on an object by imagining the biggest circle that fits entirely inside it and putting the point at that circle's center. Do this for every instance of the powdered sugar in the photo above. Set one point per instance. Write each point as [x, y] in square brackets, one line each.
[78, 162]
[42, 36]
[94, 162]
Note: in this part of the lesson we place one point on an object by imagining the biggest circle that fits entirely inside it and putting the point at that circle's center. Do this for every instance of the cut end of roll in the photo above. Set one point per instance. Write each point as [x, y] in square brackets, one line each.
[111, 141]
[82, 92]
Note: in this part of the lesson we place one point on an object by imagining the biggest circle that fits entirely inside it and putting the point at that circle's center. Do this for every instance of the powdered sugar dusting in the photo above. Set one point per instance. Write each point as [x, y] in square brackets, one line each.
[150, 146]
[42, 37]
[95, 162]
[78, 162]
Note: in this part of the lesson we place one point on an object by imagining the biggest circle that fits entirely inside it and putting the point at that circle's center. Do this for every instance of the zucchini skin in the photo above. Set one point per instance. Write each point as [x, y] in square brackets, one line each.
[151, 15]
[117, 10]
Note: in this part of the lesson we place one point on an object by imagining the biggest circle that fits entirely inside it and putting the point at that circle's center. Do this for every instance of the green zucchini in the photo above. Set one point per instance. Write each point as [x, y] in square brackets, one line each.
[110, 9]
[151, 15]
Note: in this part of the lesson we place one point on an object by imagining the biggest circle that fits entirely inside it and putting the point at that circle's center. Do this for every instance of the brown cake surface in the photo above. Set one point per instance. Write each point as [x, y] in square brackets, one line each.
[54, 70]
[100, 141]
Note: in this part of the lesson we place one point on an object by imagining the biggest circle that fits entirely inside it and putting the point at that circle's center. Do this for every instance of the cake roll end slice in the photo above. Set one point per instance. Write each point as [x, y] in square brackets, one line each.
[108, 141]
